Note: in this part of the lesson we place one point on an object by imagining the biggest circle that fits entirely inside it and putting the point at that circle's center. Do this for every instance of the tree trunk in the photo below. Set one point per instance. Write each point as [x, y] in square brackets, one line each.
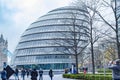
[117, 33]
[76, 60]
[93, 63]
[92, 52]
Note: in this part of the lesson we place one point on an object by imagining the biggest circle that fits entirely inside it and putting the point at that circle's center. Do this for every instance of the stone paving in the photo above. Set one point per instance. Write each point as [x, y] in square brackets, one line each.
[45, 77]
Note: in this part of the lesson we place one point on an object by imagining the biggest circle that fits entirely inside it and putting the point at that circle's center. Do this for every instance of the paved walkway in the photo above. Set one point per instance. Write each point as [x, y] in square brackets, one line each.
[45, 77]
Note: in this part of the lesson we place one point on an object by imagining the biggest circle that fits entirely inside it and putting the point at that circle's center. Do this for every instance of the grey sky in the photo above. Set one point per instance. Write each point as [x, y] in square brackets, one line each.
[17, 15]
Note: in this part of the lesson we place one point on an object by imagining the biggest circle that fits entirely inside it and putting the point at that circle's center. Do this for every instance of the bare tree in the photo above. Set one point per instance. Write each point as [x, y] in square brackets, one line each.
[95, 33]
[76, 35]
[114, 23]
[98, 57]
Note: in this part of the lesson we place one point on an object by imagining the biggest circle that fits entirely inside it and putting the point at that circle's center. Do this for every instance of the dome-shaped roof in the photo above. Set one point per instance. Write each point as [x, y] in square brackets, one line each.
[38, 41]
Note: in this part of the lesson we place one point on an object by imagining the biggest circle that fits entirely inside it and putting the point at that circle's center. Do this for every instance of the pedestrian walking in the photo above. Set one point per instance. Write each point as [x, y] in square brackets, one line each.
[40, 74]
[34, 75]
[51, 73]
[115, 69]
[23, 74]
[16, 74]
[4, 74]
[28, 72]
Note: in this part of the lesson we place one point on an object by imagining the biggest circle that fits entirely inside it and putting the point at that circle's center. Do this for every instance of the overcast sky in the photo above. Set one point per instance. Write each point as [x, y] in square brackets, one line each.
[17, 15]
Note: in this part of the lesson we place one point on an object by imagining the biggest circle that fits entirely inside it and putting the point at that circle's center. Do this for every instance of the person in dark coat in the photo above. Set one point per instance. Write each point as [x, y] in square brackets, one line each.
[23, 74]
[4, 74]
[16, 74]
[40, 74]
[115, 69]
[34, 75]
[28, 72]
[51, 74]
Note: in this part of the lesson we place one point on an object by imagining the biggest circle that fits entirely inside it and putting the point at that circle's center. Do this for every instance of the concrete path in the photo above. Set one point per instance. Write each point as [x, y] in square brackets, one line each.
[45, 77]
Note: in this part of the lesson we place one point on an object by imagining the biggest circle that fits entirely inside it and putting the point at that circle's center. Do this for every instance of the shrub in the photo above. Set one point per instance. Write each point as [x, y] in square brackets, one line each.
[101, 70]
[88, 76]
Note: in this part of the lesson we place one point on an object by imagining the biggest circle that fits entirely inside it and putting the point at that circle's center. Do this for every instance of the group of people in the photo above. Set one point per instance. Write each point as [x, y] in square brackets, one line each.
[33, 73]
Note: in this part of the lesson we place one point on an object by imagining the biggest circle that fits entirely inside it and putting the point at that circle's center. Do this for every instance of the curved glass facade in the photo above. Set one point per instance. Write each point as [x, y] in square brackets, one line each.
[37, 47]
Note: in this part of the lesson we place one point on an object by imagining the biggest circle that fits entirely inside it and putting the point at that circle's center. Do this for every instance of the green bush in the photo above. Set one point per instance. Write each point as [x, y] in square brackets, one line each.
[98, 77]
[73, 76]
[101, 70]
[88, 76]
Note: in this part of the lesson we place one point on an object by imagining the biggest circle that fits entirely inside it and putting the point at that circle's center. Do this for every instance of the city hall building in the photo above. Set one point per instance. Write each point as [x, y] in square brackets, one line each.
[38, 48]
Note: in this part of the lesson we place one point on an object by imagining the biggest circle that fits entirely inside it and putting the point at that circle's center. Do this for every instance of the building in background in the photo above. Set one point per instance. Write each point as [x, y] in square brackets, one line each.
[3, 46]
[37, 48]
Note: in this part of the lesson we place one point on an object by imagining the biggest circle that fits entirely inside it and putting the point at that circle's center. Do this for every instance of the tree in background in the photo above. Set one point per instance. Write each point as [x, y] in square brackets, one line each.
[111, 7]
[77, 36]
[94, 24]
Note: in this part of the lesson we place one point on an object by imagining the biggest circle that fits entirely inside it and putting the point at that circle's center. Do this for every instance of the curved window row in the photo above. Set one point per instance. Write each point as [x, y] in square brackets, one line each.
[66, 11]
[69, 9]
[46, 66]
[48, 28]
[61, 20]
[53, 57]
[45, 43]
[44, 50]
[67, 26]
[35, 44]
[42, 36]
[82, 38]
[35, 59]
[62, 15]
[58, 21]
[53, 29]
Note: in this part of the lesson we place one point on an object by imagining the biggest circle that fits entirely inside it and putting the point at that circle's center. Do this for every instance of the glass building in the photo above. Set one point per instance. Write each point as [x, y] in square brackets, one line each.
[37, 46]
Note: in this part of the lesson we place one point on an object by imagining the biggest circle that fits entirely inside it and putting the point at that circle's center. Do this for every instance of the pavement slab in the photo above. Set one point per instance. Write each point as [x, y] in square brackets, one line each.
[45, 77]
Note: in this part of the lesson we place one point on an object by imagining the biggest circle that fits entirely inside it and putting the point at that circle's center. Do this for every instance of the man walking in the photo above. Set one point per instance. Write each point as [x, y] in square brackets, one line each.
[40, 74]
[34, 75]
[23, 74]
[51, 74]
